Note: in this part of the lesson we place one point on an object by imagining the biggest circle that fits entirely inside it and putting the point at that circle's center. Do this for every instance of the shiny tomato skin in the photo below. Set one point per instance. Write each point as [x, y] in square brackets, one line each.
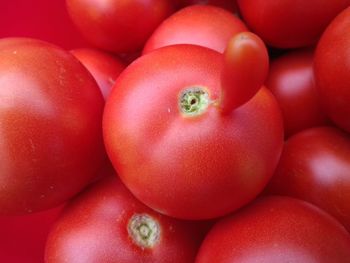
[315, 167]
[291, 80]
[41, 19]
[244, 70]
[332, 64]
[50, 139]
[118, 26]
[95, 228]
[290, 23]
[23, 238]
[189, 167]
[104, 67]
[206, 26]
[275, 230]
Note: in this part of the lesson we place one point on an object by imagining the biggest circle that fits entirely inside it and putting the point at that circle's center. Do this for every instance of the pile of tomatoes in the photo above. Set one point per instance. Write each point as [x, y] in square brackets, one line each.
[175, 131]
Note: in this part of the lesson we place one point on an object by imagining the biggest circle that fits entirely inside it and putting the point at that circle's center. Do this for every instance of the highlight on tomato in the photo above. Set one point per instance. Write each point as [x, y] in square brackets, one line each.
[51, 143]
[315, 167]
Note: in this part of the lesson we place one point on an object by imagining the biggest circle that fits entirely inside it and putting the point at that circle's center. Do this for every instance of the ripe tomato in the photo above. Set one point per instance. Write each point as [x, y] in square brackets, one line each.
[50, 137]
[274, 230]
[245, 69]
[332, 65]
[290, 23]
[23, 238]
[118, 26]
[201, 25]
[104, 67]
[42, 19]
[107, 224]
[291, 80]
[315, 167]
[173, 147]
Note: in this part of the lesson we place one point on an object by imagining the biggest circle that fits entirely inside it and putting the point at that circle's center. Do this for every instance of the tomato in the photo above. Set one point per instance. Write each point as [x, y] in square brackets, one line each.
[50, 138]
[42, 19]
[291, 80]
[274, 230]
[104, 67]
[332, 65]
[315, 167]
[118, 26]
[201, 25]
[23, 238]
[230, 5]
[290, 23]
[172, 145]
[245, 68]
[107, 224]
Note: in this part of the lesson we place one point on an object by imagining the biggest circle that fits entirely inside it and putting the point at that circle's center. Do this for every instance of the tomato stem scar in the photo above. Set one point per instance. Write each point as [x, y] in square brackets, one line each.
[144, 230]
[194, 101]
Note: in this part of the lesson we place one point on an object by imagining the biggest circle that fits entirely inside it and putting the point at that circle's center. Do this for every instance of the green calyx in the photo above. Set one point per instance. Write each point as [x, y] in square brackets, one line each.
[194, 101]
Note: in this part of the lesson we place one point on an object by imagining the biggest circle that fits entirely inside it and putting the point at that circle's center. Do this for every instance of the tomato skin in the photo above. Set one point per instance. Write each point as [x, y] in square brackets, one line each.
[94, 228]
[118, 26]
[245, 68]
[315, 167]
[192, 167]
[211, 27]
[290, 23]
[291, 80]
[332, 71]
[41, 19]
[104, 67]
[274, 230]
[23, 238]
[50, 112]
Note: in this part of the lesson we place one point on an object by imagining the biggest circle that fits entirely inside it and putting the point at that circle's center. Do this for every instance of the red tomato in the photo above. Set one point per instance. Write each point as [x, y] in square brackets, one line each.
[332, 65]
[290, 23]
[246, 65]
[173, 147]
[315, 167]
[291, 80]
[104, 67]
[107, 224]
[230, 5]
[275, 230]
[42, 19]
[23, 238]
[118, 26]
[50, 113]
[201, 25]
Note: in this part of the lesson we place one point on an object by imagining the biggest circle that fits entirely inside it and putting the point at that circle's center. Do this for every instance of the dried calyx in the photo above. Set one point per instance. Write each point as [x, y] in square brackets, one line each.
[144, 230]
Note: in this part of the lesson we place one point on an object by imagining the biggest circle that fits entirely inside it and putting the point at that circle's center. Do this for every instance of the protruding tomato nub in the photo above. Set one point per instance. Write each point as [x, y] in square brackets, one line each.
[245, 68]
